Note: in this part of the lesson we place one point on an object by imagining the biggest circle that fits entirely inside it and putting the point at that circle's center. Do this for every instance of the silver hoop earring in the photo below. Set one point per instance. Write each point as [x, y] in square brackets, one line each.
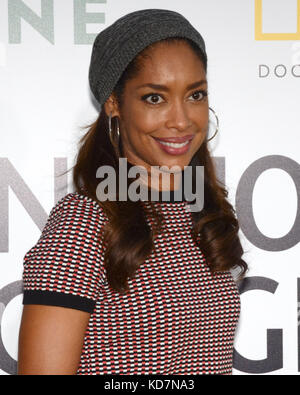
[110, 131]
[217, 129]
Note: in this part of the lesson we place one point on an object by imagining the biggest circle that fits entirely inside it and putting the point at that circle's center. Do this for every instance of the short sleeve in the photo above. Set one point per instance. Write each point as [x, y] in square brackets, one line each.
[66, 265]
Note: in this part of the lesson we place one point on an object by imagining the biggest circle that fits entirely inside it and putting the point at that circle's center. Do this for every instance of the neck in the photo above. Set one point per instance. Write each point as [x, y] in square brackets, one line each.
[159, 180]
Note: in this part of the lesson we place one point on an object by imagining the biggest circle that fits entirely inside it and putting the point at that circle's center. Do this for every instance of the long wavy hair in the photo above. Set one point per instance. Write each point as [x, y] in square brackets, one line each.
[128, 238]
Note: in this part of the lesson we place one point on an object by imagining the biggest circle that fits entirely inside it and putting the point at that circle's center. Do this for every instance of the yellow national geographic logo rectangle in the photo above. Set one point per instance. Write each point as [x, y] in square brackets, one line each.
[259, 35]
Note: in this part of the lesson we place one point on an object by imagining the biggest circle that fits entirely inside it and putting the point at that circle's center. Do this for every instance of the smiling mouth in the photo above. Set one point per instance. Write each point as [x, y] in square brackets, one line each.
[175, 140]
[174, 145]
[175, 148]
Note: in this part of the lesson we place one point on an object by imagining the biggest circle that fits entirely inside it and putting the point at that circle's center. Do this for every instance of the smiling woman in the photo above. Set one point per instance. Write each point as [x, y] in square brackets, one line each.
[162, 104]
[150, 280]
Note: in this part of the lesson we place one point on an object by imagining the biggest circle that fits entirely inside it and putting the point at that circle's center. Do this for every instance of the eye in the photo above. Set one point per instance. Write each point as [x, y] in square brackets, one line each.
[151, 95]
[202, 94]
[156, 97]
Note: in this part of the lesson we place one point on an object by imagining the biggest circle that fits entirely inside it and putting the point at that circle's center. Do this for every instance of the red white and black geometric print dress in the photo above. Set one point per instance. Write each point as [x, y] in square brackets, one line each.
[177, 317]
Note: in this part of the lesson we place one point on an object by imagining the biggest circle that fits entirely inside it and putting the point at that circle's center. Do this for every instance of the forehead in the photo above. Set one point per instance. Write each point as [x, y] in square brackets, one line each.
[166, 59]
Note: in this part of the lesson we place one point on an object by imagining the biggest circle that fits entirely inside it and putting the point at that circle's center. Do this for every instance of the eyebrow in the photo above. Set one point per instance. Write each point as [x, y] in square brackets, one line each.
[165, 88]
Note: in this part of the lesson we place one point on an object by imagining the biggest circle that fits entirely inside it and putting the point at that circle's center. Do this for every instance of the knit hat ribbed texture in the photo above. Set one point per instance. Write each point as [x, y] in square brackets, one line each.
[118, 44]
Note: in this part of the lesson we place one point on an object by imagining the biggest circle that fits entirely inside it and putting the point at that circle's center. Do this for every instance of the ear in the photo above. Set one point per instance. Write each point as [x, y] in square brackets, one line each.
[111, 106]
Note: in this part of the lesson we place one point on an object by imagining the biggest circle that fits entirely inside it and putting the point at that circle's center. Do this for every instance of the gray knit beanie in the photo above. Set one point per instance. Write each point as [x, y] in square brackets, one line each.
[117, 45]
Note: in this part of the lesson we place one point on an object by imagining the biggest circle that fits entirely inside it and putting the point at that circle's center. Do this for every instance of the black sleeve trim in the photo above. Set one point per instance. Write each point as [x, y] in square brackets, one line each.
[52, 298]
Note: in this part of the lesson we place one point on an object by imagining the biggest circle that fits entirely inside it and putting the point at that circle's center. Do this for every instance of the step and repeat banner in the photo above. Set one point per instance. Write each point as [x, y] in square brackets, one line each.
[253, 51]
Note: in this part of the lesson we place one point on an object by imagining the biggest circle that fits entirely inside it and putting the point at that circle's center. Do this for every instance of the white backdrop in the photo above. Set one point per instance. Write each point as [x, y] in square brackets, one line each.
[253, 76]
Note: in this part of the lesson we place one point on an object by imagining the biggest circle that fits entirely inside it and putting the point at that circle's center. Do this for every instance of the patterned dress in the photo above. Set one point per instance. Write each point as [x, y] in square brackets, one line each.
[178, 318]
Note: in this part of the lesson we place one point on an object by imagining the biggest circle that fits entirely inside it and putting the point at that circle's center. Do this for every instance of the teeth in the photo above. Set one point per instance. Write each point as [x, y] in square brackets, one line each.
[174, 145]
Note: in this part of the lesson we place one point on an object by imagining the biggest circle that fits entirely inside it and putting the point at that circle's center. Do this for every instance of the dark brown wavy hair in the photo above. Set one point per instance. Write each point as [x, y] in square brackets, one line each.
[128, 238]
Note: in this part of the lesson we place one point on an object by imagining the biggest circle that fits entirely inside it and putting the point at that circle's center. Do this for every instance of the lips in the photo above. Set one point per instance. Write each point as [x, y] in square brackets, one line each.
[177, 140]
[175, 146]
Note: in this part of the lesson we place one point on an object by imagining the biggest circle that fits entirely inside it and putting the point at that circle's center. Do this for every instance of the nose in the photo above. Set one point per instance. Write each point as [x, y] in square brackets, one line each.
[178, 116]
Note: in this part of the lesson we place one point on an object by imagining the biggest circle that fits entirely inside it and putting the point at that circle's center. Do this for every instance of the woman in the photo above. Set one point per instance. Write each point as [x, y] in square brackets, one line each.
[137, 287]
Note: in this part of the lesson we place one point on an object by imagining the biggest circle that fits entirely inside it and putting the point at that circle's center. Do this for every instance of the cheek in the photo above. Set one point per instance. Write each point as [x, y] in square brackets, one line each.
[198, 140]
[142, 122]
[200, 135]
[203, 125]
[138, 135]
[202, 118]
[149, 122]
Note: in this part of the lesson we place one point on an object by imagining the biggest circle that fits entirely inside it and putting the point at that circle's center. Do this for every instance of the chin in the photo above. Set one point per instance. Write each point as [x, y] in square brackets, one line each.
[178, 163]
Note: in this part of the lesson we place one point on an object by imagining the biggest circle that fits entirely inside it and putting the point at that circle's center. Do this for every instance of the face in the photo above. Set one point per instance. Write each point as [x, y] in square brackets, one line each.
[164, 118]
